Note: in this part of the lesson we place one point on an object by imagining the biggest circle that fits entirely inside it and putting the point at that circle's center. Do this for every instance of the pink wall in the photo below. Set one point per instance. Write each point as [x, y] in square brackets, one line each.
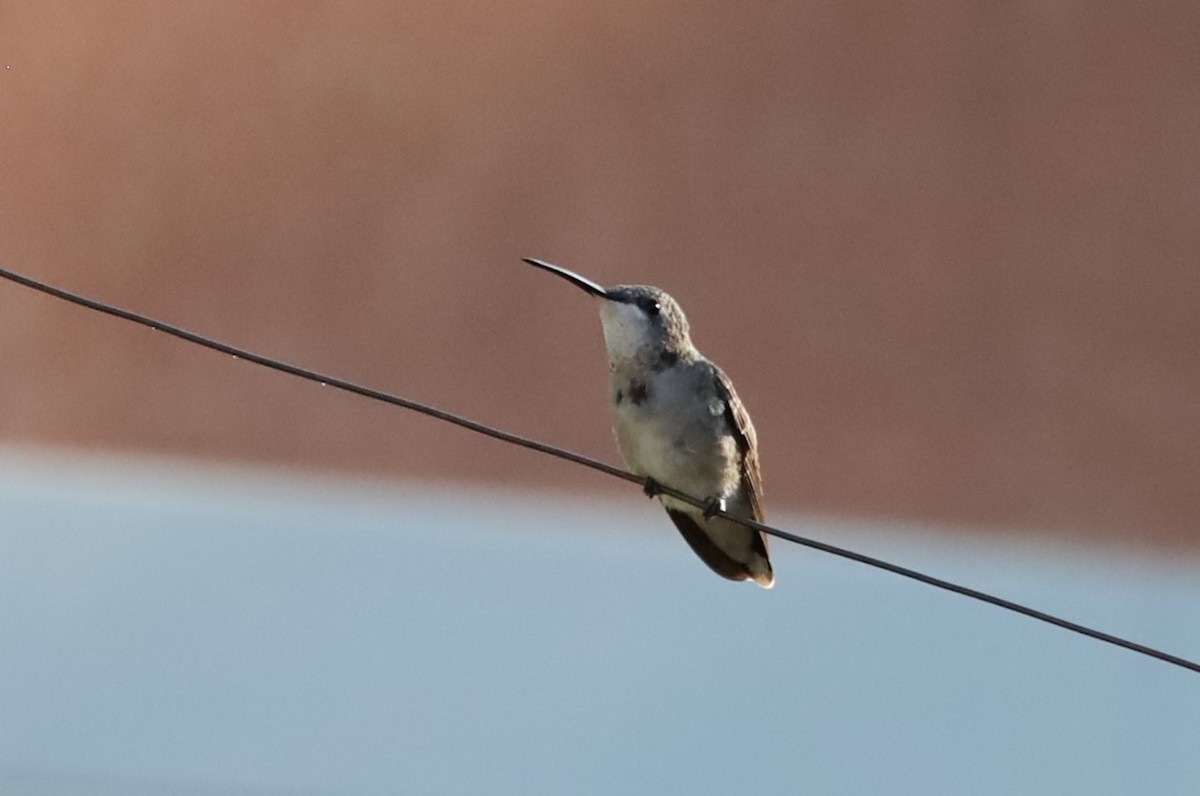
[948, 252]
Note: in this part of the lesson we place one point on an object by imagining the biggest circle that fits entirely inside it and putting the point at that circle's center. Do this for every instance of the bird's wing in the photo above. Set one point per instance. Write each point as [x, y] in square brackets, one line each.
[743, 431]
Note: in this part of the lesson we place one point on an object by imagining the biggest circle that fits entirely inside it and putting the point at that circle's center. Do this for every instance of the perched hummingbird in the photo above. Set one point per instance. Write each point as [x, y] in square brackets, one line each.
[679, 423]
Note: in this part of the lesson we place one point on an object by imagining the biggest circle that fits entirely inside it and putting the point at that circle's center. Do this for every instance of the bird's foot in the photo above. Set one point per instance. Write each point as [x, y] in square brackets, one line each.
[712, 506]
[651, 488]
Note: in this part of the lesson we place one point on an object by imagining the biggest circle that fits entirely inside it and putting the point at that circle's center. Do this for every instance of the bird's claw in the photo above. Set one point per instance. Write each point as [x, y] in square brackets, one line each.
[712, 506]
[651, 488]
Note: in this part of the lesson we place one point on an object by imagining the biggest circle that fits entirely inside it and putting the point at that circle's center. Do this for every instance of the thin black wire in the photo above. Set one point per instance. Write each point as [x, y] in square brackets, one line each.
[526, 442]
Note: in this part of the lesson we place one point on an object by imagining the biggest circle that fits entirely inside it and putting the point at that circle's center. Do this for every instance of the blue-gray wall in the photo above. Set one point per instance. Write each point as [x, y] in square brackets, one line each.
[166, 630]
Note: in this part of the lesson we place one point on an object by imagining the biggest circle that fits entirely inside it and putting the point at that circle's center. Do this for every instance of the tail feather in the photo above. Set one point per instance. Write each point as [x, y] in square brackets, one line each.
[756, 567]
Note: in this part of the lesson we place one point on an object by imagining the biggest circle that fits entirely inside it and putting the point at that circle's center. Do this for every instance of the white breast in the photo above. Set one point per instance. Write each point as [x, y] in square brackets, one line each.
[676, 436]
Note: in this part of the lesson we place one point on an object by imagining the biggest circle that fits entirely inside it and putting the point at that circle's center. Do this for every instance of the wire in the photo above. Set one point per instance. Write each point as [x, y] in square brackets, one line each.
[616, 472]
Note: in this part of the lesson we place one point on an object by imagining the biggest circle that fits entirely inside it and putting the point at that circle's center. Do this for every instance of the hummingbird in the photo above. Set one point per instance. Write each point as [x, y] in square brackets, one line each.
[679, 423]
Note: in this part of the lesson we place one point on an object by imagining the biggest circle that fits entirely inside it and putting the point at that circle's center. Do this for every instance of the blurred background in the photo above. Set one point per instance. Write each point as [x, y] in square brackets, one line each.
[947, 252]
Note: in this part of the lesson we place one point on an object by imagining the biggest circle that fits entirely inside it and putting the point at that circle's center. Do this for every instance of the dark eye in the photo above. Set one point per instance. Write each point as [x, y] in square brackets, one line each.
[650, 307]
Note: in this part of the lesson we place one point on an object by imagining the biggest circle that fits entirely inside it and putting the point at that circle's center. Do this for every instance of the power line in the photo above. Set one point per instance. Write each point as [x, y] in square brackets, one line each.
[586, 461]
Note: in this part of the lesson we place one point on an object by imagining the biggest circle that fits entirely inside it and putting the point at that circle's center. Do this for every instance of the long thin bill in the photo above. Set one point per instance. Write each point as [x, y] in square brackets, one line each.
[572, 277]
